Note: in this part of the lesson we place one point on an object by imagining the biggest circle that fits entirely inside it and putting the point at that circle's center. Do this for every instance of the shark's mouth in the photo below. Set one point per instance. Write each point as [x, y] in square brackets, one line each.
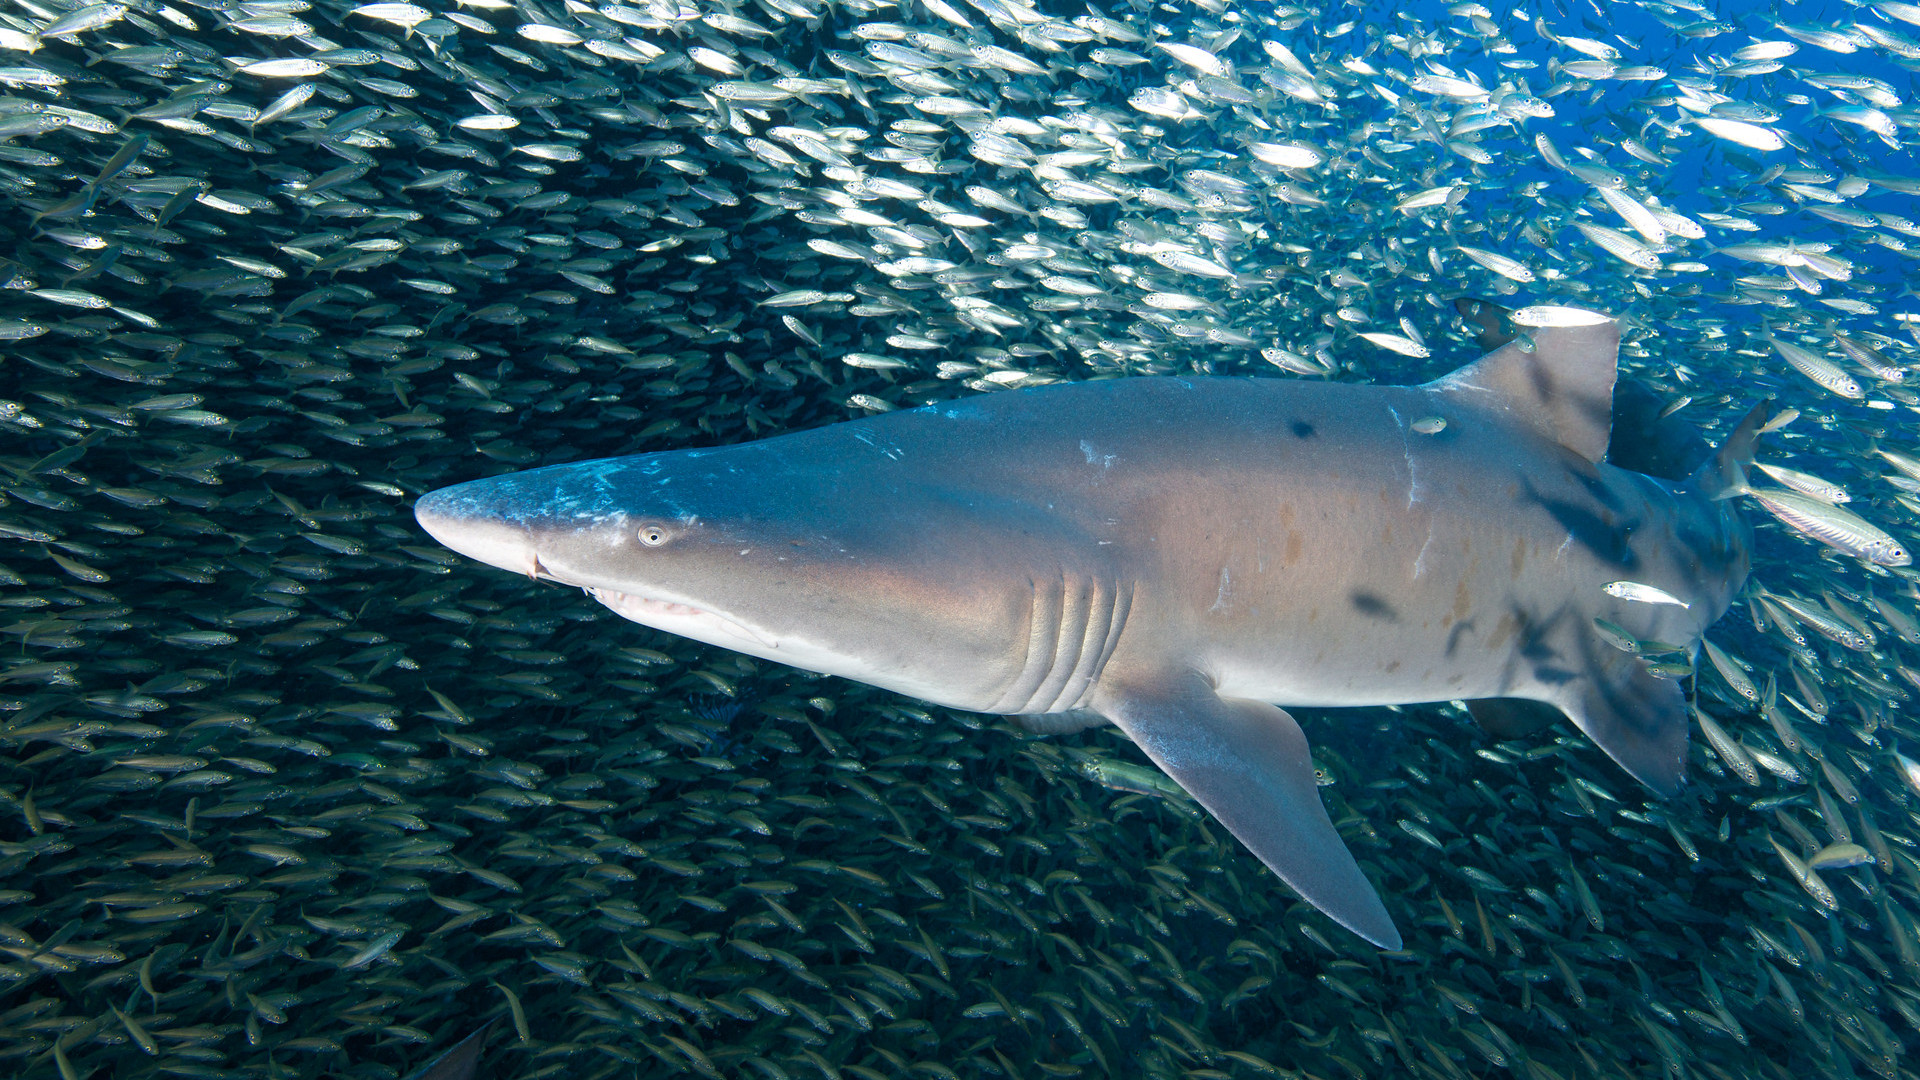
[678, 618]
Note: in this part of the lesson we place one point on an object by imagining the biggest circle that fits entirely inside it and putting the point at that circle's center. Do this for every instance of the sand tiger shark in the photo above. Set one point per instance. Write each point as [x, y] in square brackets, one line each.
[1180, 557]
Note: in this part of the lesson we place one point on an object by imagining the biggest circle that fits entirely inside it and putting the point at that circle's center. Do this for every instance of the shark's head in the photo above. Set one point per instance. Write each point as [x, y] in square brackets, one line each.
[626, 530]
[772, 551]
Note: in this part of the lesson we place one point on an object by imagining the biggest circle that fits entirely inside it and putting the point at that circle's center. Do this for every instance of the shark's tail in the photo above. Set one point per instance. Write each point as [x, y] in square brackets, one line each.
[1724, 475]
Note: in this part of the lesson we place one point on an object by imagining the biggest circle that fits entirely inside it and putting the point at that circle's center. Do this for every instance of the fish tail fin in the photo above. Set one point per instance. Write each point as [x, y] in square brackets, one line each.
[1724, 475]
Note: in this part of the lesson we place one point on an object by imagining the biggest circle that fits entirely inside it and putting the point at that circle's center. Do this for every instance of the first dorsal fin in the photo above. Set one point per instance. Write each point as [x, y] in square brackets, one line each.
[1557, 380]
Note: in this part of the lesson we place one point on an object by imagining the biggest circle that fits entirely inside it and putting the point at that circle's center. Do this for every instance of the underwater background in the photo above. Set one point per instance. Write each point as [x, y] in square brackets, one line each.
[287, 790]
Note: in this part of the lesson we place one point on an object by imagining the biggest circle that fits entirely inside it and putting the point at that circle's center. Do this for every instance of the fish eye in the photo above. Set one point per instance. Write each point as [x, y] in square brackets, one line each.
[652, 535]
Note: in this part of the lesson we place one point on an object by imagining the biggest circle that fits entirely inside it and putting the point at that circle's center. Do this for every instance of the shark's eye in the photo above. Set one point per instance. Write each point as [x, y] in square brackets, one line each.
[652, 535]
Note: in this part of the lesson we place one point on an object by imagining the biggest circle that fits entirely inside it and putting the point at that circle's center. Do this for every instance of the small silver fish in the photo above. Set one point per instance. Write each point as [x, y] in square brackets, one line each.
[1639, 593]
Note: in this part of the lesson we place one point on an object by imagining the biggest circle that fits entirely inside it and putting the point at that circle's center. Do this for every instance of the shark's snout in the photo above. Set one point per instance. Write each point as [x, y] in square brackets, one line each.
[461, 518]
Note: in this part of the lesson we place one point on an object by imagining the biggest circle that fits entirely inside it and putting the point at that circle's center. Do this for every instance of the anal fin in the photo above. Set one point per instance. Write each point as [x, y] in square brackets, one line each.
[1247, 763]
[1640, 720]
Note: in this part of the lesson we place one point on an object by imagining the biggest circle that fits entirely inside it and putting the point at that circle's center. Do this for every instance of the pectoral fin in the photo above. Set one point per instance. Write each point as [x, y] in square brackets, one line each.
[1247, 763]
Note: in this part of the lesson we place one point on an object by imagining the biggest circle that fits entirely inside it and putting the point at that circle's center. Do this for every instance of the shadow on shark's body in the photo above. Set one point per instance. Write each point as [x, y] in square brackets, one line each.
[1173, 555]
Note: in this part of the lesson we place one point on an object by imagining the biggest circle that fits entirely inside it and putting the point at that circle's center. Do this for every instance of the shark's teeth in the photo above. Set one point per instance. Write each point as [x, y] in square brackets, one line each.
[675, 617]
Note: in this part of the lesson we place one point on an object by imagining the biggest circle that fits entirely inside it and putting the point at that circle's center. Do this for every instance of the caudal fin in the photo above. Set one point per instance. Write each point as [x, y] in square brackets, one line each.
[1724, 475]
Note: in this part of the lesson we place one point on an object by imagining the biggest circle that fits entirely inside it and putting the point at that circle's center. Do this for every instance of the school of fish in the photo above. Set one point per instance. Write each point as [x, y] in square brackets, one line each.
[288, 790]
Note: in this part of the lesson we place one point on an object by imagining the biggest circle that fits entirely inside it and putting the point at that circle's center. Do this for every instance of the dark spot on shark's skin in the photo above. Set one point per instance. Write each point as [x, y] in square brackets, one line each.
[1597, 486]
[1547, 664]
[1302, 429]
[1454, 634]
[1604, 539]
[1546, 671]
[1374, 607]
